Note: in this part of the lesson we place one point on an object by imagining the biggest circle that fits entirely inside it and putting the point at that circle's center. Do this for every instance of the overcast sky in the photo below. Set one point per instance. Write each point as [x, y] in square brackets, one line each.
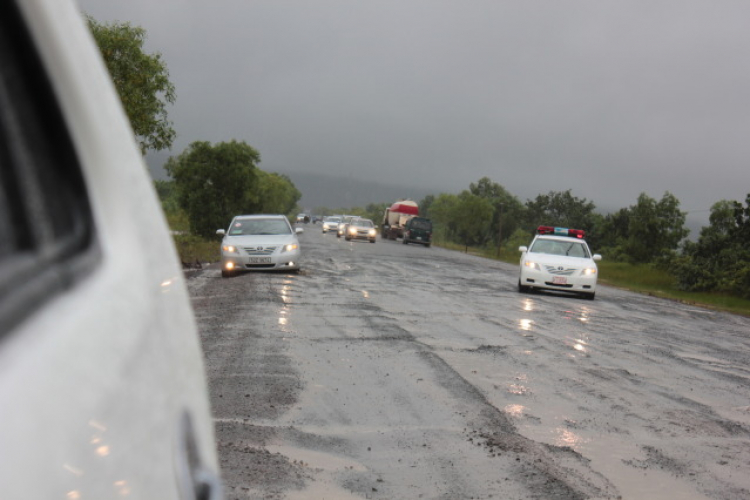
[607, 98]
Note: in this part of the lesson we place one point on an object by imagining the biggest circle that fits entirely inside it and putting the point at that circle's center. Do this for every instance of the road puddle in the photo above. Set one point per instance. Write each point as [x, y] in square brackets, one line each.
[618, 460]
[324, 490]
[316, 459]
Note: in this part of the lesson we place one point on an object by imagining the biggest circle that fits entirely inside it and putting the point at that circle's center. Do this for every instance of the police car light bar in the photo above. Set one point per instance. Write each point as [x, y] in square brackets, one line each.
[561, 231]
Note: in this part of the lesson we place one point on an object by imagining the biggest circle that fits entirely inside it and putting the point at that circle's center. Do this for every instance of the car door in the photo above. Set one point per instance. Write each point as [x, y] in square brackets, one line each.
[102, 386]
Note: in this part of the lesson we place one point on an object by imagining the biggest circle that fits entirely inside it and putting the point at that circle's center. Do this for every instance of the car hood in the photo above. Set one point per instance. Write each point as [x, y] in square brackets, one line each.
[260, 239]
[560, 260]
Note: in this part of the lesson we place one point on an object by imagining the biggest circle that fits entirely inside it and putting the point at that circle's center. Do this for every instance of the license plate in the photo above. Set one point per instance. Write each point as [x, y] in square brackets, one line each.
[419, 237]
[260, 260]
[559, 280]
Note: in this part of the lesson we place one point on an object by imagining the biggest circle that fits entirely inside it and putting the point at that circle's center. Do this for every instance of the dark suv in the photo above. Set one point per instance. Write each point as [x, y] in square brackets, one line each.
[418, 230]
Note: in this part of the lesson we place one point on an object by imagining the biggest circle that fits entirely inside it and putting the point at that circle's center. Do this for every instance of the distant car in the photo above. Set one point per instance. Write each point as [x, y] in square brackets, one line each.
[418, 230]
[259, 242]
[345, 220]
[362, 229]
[303, 218]
[102, 383]
[558, 259]
[331, 223]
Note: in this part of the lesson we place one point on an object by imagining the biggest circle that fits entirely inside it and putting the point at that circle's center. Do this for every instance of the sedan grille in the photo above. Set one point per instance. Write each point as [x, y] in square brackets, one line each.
[260, 250]
[559, 270]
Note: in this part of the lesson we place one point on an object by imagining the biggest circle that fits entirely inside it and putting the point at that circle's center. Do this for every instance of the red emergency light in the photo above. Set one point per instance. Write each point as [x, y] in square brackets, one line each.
[561, 231]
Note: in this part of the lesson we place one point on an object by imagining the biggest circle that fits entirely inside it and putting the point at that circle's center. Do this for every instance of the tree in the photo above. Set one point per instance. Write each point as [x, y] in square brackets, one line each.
[720, 259]
[562, 209]
[472, 217]
[141, 80]
[507, 210]
[442, 210]
[276, 193]
[215, 183]
[648, 232]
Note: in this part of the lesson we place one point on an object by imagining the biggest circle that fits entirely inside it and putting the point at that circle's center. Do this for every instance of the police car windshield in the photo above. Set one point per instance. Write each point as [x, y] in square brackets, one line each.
[570, 248]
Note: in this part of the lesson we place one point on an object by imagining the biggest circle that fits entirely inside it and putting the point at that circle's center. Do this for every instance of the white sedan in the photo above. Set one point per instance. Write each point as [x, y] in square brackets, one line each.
[558, 259]
[259, 242]
[102, 385]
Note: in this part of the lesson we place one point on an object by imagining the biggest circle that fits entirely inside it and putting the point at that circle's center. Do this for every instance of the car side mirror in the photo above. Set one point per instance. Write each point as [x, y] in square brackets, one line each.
[597, 257]
[523, 249]
[221, 232]
[299, 230]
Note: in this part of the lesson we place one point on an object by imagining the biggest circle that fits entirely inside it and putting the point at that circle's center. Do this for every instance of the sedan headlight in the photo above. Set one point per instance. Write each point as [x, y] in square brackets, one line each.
[532, 265]
[229, 248]
[290, 247]
[352, 230]
[589, 271]
[371, 232]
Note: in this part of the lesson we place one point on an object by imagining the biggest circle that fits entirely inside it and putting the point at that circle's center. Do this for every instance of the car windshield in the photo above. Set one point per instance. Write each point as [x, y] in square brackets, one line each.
[363, 223]
[333, 219]
[557, 247]
[243, 227]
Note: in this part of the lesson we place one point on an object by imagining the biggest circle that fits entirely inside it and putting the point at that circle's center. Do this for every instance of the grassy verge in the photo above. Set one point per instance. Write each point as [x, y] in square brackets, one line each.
[192, 249]
[641, 278]
[648, 279]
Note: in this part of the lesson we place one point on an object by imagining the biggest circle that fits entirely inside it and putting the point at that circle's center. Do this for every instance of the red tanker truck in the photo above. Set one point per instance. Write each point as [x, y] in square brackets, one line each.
[395, 218]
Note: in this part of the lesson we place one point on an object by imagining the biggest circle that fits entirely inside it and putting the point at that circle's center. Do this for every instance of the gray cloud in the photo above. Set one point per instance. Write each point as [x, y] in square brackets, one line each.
[607, 98]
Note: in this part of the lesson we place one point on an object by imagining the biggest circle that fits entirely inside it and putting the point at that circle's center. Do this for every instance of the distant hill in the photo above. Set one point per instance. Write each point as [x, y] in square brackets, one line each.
[320, 190]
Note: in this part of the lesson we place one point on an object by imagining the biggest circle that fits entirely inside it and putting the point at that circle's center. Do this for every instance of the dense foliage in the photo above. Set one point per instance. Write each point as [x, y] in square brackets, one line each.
[720, 259]
[214, 183]
[648, 232]
[141, 80]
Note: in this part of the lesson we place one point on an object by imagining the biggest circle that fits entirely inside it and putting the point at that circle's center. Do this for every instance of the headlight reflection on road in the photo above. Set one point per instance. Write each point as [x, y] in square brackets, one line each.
[525, 324]
[528, 305]
[567, 438]
[515, 410]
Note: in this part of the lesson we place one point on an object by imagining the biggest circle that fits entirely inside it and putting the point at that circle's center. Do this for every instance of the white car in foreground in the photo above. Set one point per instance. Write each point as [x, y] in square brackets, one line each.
[558, 259]
[258, 243]
[102, 383]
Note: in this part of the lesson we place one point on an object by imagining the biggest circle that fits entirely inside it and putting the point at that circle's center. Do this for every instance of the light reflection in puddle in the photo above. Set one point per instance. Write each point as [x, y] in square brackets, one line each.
[567, 438]
[518, 388]
[285, 294]
[528, 305]
[515, 410]
[525, 324]
[580, 345]
[365, 294]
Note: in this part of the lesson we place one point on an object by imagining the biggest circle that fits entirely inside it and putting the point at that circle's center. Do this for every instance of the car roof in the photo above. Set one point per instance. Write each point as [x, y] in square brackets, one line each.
[261, 216]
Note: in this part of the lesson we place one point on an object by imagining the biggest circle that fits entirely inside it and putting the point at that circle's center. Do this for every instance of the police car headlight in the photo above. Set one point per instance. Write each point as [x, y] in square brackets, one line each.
[229, 248]
[290, 247]
[589, 271]
[532, 265]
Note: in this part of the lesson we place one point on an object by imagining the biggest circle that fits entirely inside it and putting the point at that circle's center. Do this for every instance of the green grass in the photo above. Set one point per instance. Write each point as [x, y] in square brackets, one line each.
[647, 279]
[641, 278]
[192, 248]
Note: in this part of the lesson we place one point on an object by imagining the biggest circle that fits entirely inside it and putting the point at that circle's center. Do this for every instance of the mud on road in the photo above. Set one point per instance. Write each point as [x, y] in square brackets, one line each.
[393, 371]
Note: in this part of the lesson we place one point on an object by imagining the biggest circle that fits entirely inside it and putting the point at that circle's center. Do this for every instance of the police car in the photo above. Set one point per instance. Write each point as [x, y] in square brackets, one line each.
[558, 259]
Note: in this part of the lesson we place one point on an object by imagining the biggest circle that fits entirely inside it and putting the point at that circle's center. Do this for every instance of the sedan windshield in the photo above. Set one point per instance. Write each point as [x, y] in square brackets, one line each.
[557, 247]
[259, 226]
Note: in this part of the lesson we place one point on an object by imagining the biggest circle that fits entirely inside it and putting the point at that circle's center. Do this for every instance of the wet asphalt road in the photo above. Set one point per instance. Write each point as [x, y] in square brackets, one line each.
[398, 371]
